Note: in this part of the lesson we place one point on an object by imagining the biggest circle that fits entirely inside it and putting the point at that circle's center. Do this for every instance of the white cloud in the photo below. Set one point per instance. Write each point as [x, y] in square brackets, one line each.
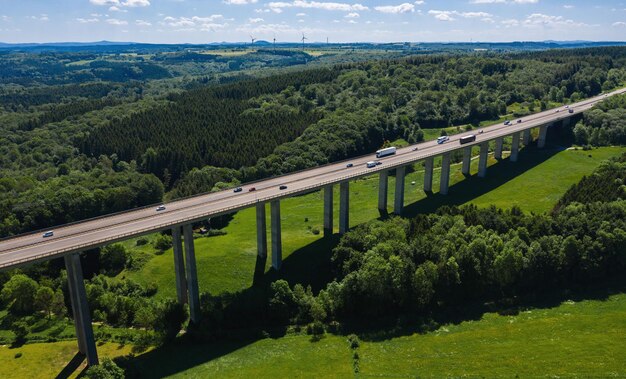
[329, 6]
[300, 14]
[105, 2]
[207, 23]
[420, 2]
[442, 15]
[87, 20]
[568, 6]
[619, 24]
[136, 3]
[352, 15]
[5, 18]
[116, 5]
[539, 19]
[117, 9]
[255, 20]
[142, 23]
[450, 15]
[115, 21]
[41, 17]
[240, 2]
[396, 9]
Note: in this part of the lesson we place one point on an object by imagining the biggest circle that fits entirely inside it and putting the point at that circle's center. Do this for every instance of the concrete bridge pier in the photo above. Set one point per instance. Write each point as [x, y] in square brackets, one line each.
[383, 187]
[467, 160]
[261, 230]
[179, 266]
[527, 137]
[543, 131]
[277, 243]
[498, 150]
[344, 207]
[482, 163]
[80, 309]
[328, 210]
[444, 182]
[428, 174]
[398, 203]
[514, 147]
[192, 275]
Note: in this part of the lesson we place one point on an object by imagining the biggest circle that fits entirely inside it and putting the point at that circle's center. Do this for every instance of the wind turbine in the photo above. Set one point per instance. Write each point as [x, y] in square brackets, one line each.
[253, 39]
[303, 39]
[274, 43]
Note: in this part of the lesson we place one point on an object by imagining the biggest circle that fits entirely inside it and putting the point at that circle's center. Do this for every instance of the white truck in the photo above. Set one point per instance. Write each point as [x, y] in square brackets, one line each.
[371, 164]
[385, 152]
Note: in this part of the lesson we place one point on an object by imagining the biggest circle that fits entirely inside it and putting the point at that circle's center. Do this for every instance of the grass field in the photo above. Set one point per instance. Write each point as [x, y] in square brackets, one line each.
[226, 263]
[574, 339]
[49, 360]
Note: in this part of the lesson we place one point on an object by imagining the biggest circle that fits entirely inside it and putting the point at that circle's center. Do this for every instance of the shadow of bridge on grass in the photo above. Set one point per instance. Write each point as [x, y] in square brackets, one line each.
[472, 187]
[310, 265]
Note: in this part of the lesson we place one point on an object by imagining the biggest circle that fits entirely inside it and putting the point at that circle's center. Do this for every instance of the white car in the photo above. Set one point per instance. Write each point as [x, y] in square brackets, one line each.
[47, 234]
[160, 208]
[442, 139]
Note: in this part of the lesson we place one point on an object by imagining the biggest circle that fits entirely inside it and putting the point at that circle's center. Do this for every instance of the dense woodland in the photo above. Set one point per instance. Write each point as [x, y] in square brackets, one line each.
[212, 136]
[81, 143]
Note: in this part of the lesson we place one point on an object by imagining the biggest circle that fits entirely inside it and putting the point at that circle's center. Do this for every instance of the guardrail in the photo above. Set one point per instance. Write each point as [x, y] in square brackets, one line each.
[232, 208]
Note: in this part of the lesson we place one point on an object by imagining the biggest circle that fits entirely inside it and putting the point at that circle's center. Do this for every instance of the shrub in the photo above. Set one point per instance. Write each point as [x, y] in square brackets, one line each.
[107, 369]
[163, 242]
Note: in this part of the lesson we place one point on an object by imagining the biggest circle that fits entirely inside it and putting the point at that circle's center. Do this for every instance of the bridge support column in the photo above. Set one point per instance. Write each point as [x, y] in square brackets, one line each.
[514, 147]
[261, 230]
[398, 203]
[467, 160]
[277, 243]
[344, 207]
[543, 131]
[482, 162]
[80, 309]
[179, 266]
[498, 150]
[192, 275]
[527, 137]
[328, 210]
[428, 174]
[444, 182]
[383, 185]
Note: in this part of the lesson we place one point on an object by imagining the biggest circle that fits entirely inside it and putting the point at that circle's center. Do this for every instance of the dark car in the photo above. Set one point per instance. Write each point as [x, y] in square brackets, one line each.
[378, 163]
[282, 187]
[238, 189]
[252, 189]
[349, 165]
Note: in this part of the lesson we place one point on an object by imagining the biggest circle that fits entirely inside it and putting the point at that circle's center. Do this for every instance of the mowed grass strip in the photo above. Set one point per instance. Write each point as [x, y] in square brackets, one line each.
[227, 262]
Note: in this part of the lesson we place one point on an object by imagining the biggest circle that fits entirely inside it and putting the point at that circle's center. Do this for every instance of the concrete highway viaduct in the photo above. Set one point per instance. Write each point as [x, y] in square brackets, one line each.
[69, 240]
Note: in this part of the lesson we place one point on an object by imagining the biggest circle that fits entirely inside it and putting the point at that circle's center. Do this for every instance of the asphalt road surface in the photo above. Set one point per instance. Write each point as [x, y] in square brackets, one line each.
[107, 229]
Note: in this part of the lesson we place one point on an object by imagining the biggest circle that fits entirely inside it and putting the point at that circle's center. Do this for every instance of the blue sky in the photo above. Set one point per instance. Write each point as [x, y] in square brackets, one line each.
[197, 21]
